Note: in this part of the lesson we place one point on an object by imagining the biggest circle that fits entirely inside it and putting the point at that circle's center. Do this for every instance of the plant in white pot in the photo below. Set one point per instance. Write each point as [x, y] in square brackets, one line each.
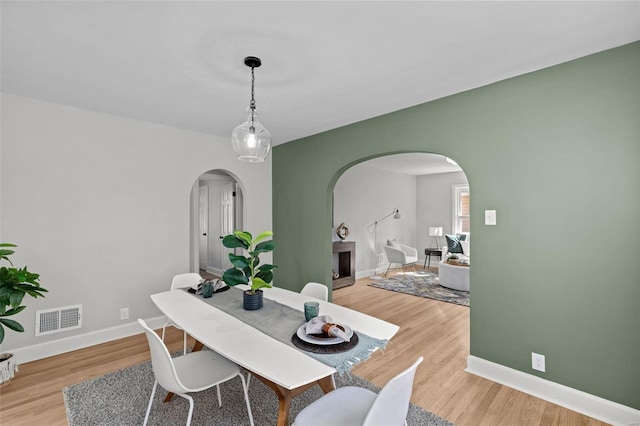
[14, 284]
[247, 270]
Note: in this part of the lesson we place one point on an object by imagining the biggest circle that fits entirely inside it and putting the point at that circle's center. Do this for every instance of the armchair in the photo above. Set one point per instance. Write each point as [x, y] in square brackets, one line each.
[400, 254]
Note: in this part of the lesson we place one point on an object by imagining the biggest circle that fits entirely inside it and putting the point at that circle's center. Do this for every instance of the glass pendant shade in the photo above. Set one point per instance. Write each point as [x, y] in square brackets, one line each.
[251, 141]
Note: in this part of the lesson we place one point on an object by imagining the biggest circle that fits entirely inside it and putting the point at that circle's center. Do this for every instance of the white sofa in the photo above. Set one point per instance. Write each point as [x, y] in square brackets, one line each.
[454, 276]
[466, 249]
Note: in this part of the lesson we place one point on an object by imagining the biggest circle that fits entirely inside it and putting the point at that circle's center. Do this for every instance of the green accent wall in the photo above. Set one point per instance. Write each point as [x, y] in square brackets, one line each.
[557, 153]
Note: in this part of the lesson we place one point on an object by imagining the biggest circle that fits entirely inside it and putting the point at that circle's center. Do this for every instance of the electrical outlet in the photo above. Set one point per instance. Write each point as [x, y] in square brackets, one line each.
[537, 362]
[124, 313]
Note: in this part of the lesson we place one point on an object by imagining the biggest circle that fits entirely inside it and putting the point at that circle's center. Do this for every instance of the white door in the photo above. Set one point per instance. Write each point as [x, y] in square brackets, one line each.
[227, 213]
[203, 225]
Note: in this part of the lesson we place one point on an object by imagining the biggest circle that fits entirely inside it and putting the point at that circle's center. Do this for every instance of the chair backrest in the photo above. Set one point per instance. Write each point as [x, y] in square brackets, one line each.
[392, 403]
[161, 361]
[185, 280]
[395, 255]
[317, 290]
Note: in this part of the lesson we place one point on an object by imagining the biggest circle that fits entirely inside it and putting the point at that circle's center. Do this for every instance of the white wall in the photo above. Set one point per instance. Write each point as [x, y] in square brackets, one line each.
[364, 194]
[100, 206]
[435, 205]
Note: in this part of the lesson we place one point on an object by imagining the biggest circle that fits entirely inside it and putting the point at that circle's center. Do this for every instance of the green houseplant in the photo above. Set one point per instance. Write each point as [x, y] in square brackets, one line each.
[247, 269]
[14, 284]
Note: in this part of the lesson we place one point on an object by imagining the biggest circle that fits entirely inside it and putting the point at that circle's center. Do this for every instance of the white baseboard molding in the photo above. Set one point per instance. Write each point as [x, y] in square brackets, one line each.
[215, 271]
[573, 399]
[363, 274]
[370, 272]
[80, 341]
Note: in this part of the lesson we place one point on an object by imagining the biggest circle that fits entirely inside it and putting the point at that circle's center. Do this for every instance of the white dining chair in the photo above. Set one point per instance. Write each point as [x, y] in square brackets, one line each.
[355, 406]
[181, 281]
[193, 372]
[317, 290]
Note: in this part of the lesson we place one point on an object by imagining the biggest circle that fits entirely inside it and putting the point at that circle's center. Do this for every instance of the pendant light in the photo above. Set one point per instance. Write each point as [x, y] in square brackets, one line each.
[250, 140]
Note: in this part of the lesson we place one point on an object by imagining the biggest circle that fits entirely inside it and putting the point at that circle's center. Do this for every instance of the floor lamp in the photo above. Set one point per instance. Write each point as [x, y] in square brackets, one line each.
[396, 215]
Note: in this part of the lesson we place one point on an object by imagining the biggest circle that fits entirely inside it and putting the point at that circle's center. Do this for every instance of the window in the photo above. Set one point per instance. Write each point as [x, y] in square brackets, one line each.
[461, 209]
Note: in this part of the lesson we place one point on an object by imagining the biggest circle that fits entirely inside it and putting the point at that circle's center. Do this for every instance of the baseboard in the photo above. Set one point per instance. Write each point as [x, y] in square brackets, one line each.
[383, 268]
[364, 274]
[80, 341]
[215, 271]
[573, 399]
[370, 272]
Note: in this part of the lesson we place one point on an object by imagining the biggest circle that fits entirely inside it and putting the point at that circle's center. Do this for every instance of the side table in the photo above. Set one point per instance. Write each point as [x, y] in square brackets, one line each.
[428, 252]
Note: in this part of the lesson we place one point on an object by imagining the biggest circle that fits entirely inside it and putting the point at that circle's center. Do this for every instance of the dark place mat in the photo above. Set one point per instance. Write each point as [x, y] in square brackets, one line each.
[325, 349]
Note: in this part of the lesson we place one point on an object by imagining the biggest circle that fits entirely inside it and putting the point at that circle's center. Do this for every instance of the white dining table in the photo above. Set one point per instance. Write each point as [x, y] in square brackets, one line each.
[286, 370]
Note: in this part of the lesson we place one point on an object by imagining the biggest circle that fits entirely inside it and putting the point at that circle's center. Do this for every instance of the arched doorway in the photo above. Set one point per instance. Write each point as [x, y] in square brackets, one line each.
[216, 210]
[425, 188]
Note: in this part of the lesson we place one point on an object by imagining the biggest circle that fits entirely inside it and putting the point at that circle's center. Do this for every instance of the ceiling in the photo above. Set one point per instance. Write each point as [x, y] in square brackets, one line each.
[414, 163]
[325, 64]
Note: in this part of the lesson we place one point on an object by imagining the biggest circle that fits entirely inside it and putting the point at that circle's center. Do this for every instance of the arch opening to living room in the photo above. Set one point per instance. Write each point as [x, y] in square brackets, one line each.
[431, 193]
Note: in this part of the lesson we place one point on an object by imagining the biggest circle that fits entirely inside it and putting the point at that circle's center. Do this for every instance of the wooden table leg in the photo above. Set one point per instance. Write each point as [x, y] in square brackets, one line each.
[327, 384]
[286, 395]
[196, 347]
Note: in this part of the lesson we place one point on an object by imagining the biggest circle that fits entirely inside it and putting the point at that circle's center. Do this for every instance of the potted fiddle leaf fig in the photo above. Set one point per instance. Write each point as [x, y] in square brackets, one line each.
[14, 284]
[247, 269]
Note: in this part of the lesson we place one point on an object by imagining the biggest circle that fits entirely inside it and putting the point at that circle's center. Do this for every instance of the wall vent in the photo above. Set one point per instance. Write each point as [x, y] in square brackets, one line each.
[56, 320]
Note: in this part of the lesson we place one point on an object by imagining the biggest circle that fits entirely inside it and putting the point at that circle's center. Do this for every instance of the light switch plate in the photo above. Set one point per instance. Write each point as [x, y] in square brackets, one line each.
[489, 217]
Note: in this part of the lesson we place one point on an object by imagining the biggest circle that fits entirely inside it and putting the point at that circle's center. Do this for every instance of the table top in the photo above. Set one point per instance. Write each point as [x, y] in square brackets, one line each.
[433, 251]
[254, 350]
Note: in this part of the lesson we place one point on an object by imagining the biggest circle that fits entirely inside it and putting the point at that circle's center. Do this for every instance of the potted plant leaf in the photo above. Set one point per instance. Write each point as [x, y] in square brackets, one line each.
[247, 269]
[14, 284]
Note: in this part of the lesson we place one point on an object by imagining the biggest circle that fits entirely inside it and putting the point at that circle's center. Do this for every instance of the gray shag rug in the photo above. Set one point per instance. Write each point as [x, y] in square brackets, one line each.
[121, 398]
[423, 284]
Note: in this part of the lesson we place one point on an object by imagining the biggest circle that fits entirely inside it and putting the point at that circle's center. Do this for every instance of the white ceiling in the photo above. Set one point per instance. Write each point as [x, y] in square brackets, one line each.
[414, 163]
[325, 63]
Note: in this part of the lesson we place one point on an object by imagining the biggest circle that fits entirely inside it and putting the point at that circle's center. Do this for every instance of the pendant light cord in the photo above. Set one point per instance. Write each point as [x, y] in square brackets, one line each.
[252, 105]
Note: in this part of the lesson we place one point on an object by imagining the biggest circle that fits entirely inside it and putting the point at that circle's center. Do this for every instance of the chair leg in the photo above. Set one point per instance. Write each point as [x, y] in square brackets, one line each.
[185, 342]
[385, 274]
[248, 379]
[164, 327]
[246, 397]
[184, 395]
[219, 397]
[153, 393]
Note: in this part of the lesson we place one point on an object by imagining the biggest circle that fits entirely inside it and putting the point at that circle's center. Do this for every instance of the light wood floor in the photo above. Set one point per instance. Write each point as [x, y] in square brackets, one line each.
[436, 330]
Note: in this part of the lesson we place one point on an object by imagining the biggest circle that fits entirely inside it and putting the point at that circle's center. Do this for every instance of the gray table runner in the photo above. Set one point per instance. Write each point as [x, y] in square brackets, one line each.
[280, 322]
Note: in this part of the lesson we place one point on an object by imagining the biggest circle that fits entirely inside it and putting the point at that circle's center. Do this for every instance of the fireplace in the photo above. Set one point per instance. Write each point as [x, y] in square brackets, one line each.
[344, 263]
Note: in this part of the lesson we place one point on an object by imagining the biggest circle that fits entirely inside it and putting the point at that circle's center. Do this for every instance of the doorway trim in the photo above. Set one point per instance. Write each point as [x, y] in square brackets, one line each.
[194, 231]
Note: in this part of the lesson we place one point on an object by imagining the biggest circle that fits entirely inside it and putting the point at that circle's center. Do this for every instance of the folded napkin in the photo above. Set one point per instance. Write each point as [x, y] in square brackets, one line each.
[323, 324]
[219, 285]
[197, 288]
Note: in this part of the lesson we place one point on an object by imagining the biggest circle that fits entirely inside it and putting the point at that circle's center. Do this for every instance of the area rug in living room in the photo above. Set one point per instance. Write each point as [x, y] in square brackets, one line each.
[423, 284]
[121, 398]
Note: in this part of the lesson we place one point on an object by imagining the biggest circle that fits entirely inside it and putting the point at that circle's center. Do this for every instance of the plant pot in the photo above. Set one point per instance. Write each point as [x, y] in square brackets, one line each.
[252, 301]
[7, 368]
